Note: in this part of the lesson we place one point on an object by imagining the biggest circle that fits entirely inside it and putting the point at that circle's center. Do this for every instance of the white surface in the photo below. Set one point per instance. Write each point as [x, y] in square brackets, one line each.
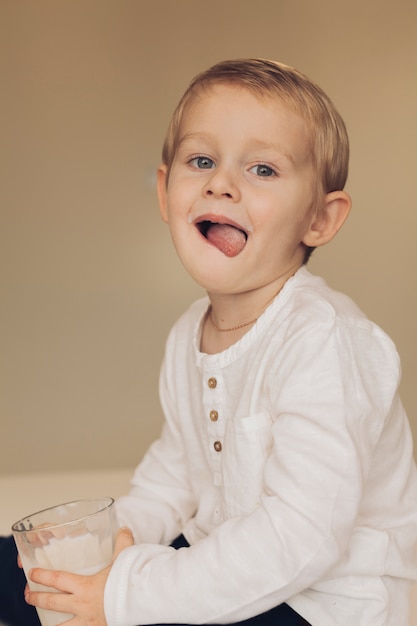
[23, 494]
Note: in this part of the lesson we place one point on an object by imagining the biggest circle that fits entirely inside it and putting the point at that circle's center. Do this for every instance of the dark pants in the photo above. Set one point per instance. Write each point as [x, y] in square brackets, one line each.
[15, 612]
[13, 609]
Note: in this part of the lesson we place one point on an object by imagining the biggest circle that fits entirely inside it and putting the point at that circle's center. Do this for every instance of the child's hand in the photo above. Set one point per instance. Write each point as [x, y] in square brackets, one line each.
[81, 596]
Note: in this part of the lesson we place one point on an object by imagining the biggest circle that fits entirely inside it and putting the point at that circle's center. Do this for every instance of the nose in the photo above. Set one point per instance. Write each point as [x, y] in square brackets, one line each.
[222, 184]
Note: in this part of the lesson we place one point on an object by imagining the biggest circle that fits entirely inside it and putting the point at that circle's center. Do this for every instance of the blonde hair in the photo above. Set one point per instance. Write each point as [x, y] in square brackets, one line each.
[330, 143]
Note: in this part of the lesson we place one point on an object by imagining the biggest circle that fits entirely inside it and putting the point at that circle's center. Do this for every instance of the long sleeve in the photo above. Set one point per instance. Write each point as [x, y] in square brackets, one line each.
[303, 493]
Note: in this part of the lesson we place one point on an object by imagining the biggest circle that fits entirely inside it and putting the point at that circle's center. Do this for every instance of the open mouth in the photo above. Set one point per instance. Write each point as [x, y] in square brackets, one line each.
[227, 238]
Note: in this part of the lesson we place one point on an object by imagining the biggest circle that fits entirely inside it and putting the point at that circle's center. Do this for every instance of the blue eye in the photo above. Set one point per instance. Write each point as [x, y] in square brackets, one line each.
[202, 163]
[263, 170]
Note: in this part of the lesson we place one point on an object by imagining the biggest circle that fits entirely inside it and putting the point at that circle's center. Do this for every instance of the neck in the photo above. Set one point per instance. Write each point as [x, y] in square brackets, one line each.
[233, 312]
[220, 325]
[232, 328]
[232, 316]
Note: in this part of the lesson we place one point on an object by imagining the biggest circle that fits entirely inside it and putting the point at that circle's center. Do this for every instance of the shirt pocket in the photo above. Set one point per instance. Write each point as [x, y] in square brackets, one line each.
[247, 443]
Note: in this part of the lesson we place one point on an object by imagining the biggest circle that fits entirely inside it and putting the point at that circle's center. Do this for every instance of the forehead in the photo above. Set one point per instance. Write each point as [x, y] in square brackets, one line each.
[235, 112]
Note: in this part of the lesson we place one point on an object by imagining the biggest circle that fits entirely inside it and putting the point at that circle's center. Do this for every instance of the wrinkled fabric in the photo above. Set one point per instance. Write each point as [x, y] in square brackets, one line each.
[282, 615]
[303, 490]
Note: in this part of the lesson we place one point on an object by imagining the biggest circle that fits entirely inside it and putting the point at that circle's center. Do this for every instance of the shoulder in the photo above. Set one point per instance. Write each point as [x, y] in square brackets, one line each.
[312, 294]
[311, 298]
[322, 321]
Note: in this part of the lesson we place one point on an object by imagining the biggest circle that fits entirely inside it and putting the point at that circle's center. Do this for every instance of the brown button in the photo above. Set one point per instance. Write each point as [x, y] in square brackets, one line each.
[214, 416]
[217, 446]
[212, 383]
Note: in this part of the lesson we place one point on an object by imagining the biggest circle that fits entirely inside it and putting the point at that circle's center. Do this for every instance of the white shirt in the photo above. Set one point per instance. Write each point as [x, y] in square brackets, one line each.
[286, 461]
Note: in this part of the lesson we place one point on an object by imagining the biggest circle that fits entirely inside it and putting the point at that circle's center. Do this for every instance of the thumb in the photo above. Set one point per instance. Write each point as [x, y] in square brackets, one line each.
[124, 539]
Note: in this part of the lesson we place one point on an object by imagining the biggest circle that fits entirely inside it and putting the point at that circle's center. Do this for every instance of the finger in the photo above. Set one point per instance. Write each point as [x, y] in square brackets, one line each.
[50, 601]
[124, 540]
[61, 581]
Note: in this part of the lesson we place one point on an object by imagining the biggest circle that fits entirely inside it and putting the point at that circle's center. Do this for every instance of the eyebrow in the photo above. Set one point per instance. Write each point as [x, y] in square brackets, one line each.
[257, 144]
[189, 136]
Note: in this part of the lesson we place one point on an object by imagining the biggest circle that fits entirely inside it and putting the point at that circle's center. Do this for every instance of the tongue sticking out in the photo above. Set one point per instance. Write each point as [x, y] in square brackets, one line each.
[226, 238]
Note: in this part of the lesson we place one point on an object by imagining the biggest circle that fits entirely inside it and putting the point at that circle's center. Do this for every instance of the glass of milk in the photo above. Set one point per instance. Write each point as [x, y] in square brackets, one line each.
[76, 537]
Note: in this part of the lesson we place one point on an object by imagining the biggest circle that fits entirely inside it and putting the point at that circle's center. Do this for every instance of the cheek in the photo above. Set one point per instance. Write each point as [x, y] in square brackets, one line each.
[271, 218]
[178, 198]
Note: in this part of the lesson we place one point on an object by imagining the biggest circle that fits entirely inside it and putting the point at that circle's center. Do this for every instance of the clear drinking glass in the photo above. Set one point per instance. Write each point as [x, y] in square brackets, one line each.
[76, 537]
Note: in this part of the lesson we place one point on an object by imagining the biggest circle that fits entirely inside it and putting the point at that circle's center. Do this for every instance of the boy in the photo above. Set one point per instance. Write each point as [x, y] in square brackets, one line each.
[285, 461]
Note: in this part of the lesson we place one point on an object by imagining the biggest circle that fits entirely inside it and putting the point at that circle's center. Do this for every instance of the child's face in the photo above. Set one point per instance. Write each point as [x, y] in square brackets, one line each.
[244, 163]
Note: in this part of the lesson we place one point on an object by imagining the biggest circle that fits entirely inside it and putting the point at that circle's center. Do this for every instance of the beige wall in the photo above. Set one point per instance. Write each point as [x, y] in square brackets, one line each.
[89, 282]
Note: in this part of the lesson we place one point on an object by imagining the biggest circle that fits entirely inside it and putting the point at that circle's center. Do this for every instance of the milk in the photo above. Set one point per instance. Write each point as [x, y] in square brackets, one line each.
[83, 554]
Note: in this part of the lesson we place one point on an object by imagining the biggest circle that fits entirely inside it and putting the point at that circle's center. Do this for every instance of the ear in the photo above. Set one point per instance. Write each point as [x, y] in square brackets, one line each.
[329, 219]
[161, 188]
